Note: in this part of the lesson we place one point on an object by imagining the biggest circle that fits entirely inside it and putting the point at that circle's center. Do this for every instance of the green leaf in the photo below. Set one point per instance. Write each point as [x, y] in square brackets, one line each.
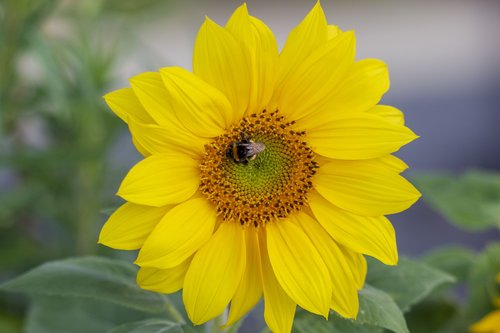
[376, 308]
[54, 314]
[407, 283]
[341, 325]
[454, 260]
[470, 201]
[306, 323]
[88, 277]
[149, 326]
[377, 311]
[483, 287]
[493, 210]
[433, 316]
[9, 324]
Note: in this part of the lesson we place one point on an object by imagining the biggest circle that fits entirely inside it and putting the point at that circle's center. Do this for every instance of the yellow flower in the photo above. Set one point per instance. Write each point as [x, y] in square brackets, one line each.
[265, 173]
[489, 323]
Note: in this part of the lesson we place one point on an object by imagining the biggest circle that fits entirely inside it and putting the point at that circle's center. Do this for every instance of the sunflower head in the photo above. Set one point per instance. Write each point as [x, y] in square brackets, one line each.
[269, 185]
[265, 173]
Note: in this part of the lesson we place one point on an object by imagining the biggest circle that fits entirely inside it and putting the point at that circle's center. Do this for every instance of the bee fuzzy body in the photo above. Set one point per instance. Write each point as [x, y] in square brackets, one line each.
[245, 150]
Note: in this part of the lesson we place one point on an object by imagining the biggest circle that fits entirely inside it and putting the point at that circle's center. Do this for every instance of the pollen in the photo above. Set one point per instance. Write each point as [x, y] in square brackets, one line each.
[272, 185]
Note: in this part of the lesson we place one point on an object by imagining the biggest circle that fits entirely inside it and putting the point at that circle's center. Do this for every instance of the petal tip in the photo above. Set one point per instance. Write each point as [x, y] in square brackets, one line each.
[140, 77]
[326, 313]
[393, 261]
[317, 6]
[243, 7]
[209, 22]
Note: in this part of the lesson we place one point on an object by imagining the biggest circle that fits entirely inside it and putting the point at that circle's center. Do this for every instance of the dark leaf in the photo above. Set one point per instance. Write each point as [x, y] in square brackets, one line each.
[89, 277]
[453, 260]
[407, 283]
[470, 201]
[149, 326]
[76, 315]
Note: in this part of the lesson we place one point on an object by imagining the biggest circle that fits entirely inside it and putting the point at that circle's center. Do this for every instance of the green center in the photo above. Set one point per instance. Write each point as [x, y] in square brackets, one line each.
[266, 173]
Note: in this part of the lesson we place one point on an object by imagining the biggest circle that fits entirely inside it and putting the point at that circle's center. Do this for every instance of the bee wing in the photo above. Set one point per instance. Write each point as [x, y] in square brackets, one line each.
[256, 147]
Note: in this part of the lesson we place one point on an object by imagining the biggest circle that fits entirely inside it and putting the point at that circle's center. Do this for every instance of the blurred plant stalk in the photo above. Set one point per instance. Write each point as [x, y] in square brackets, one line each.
[55, 65]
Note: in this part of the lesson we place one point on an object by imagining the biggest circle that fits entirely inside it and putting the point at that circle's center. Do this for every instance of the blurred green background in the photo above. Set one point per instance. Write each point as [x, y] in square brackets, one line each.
[58, 173]
[63, 153]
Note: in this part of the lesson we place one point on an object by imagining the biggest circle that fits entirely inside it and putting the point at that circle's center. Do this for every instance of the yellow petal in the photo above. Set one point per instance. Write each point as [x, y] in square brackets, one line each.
[201, 108]
[365, 189]
[363, 87]
[182, 231]
[129, 226]
[357, 136]
[357, 262]
[311, 85]
[490, 323]
[389, 162]
[160, 180]
[159, 140]
[279, 308]
[344, 299]
[302, 41]
[300, 270]
[219, 60]
[369, 235]
[144, 152]
[389, 113]
[164, 281]
[215, 273]
[260, 45]
[125, 105]
[250, 288]
[153, 96]
[333, 31]
[392, 162]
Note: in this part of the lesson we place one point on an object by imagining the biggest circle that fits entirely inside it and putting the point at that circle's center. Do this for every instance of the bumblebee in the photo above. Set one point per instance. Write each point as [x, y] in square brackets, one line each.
[244, 150]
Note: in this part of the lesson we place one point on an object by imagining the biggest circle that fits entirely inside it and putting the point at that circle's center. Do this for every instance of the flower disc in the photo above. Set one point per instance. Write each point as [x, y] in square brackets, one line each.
[272, 185]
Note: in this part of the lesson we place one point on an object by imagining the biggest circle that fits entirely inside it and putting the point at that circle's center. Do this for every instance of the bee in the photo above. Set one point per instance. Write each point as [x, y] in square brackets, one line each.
[244, 150]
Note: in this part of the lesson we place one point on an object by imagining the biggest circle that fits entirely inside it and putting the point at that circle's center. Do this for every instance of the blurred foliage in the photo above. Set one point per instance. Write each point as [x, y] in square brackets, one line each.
[100, 281]
[453, 308]
[471, 201]
[424, 296]
[57, 60]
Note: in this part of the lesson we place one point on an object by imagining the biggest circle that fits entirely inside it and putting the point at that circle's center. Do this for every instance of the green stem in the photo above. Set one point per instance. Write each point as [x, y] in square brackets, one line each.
[90, 138]
[89, 175]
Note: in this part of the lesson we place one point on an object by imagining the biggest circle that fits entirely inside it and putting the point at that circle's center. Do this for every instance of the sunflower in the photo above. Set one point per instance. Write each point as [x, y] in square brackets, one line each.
[265, 174]
[491, 322]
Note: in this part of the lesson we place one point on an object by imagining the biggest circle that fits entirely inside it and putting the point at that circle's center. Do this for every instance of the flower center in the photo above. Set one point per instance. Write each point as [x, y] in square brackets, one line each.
[259, 170]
